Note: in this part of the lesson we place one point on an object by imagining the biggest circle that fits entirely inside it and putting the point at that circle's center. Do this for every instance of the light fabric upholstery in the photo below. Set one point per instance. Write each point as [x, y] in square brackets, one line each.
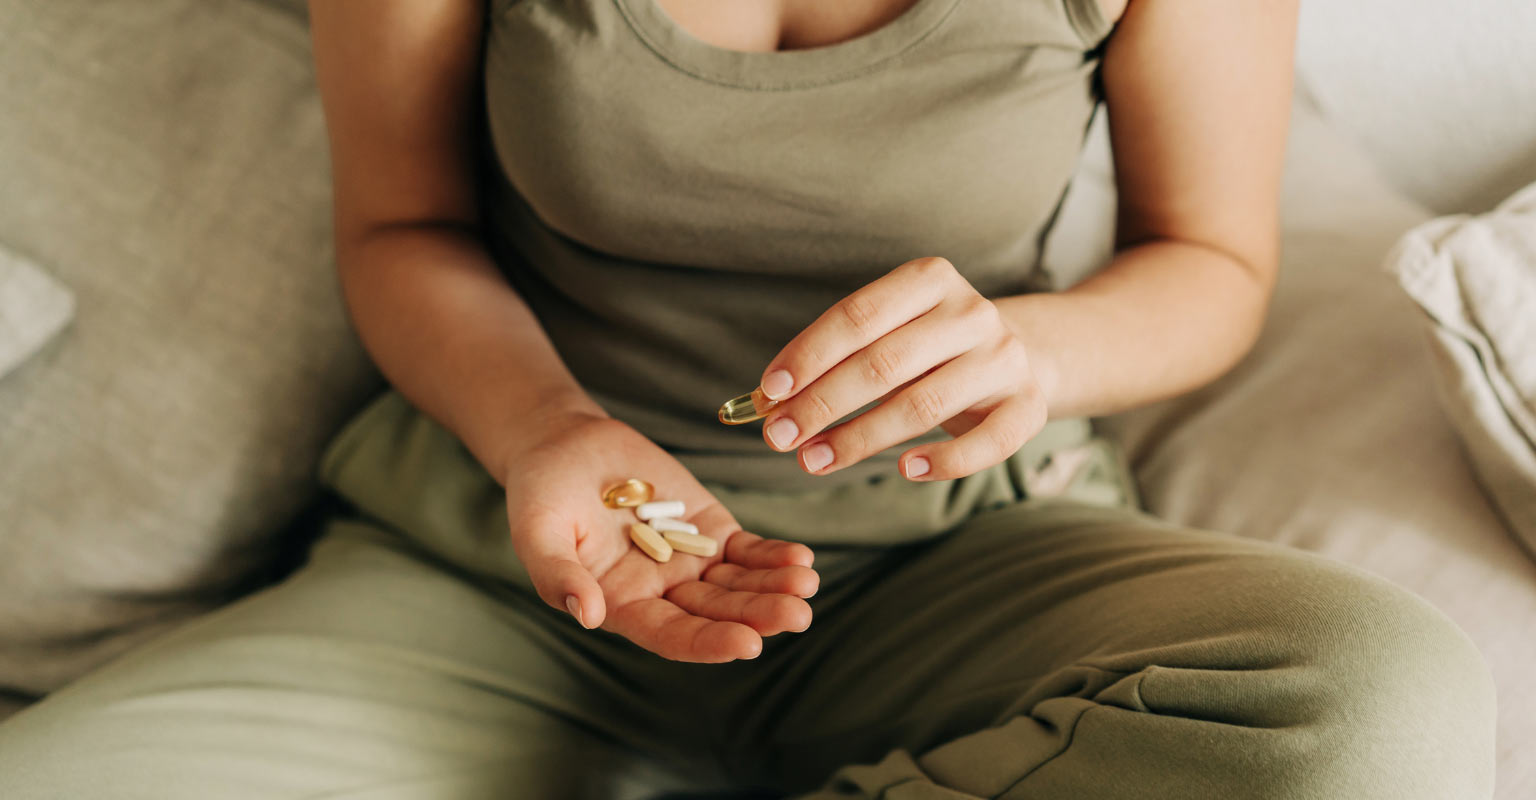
[1475, 279]
[1440, 95]
[1329, 435]
[166, 161]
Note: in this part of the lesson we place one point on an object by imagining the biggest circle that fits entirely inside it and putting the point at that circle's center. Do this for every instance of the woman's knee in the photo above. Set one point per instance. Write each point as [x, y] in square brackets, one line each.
[1298, 677]
[1394, 700]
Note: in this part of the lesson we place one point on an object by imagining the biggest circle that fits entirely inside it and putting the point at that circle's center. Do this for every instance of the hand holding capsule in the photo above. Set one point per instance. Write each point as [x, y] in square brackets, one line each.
[933, 351]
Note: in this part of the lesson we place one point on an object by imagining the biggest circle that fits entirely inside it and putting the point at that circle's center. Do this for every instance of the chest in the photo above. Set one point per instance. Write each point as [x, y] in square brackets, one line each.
[951, 130]
[774, 25]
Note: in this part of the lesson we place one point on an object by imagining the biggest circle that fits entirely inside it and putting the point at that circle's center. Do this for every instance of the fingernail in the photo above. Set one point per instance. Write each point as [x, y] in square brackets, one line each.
[782, 432]
[817, 456]
[574, 606]
[917, 467]
[777, 383]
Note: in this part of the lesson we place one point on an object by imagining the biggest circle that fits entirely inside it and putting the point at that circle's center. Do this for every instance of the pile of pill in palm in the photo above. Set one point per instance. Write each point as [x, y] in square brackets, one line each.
[662, 528]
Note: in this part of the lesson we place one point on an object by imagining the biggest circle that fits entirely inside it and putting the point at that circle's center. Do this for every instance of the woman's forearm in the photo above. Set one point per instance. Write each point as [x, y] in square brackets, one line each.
[1163, 318]
[453, 337]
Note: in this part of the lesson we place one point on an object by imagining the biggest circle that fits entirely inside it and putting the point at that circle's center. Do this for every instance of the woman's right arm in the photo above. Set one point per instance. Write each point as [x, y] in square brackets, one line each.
[399, 82]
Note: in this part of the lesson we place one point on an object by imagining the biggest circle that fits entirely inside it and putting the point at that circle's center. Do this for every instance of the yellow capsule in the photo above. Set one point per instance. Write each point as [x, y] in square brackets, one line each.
[751, 406]
[628, 494]
[650, 541]
[691, 543]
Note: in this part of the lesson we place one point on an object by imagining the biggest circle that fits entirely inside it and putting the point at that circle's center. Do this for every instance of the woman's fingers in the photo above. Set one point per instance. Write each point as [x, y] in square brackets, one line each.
[920, 407]
[793, 580]
[547, 548]
[663, 628]
[754, 552]
[888, 363]
[767, 614]
[994, 439]
[869, 313]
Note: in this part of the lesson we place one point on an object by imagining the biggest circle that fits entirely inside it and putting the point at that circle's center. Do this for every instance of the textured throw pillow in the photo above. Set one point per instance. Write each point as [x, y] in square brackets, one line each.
[166, 160]
[1475, 279]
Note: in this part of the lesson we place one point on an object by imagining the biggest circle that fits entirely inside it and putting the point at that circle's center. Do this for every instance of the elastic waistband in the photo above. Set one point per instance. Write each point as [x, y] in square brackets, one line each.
[396, 463]
[1065, 458]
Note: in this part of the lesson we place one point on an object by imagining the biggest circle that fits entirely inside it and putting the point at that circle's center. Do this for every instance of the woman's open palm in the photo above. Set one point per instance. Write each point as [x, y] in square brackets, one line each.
[690, 608]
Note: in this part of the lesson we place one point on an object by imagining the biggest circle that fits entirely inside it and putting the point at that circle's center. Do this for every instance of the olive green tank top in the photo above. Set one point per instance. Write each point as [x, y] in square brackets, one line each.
[674, 212]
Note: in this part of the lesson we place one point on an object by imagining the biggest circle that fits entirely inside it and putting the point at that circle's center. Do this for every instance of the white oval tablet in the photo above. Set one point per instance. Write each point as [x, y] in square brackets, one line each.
[664, 524]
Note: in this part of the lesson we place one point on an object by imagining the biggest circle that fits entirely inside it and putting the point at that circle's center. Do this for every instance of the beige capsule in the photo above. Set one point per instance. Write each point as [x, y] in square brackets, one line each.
[646, 538]
[628, 494]
[691, 543]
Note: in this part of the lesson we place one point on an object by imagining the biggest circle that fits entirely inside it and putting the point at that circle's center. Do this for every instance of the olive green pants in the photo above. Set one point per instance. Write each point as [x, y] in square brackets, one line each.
[1044, 648]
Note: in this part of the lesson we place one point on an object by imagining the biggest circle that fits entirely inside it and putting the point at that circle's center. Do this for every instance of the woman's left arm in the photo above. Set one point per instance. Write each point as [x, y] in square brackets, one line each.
[1198, 94]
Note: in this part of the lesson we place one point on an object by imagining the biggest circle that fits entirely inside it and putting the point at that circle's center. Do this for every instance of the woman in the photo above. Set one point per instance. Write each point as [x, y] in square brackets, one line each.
[649, 206]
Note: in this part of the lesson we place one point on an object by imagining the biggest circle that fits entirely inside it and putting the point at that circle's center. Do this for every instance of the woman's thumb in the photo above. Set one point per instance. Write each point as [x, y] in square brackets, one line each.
[559, 577]
[565, 584]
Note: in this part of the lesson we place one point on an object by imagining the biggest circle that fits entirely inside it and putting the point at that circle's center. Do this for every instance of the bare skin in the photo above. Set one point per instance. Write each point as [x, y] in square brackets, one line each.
[770, 25]
[766, 25]
[1198, 94]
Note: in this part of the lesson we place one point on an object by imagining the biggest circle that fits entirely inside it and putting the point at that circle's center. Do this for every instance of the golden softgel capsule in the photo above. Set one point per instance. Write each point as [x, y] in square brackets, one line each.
[753, 405]
[628, 494]
[650, 541]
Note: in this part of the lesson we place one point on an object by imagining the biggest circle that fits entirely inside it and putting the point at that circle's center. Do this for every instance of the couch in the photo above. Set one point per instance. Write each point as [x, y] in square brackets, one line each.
[179, 352]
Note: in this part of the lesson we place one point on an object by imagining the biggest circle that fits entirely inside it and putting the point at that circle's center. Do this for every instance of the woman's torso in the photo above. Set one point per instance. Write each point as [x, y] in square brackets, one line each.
[674, 211]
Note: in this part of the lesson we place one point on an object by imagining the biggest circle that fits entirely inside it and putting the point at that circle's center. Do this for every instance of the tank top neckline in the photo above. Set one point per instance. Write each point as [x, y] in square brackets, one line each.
[781, 69]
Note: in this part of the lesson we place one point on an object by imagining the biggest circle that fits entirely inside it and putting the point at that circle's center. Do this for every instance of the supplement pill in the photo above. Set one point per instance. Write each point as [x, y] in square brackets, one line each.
[753, 405]
[692, 543]
[650, 541]
[632, 492]
[660, 508]
[664, 524]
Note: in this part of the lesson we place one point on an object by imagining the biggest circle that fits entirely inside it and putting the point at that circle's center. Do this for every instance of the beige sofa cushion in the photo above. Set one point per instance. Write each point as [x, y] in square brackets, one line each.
[1440, 95]
[1475, 279]
[165, 159]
